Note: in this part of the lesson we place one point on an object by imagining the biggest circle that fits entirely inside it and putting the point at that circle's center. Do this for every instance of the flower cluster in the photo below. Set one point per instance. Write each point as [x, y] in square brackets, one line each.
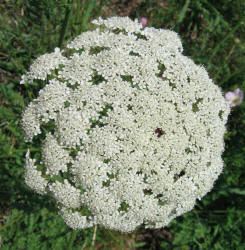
[137, 131]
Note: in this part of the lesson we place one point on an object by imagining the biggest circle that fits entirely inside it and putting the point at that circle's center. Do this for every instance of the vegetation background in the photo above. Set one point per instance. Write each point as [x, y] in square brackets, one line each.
[213, 34]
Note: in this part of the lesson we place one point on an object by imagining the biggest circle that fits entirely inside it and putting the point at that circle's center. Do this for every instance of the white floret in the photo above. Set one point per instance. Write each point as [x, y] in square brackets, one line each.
[75, 220]
[33, 177]
[65, 194]
[54, 157]
[43, 66]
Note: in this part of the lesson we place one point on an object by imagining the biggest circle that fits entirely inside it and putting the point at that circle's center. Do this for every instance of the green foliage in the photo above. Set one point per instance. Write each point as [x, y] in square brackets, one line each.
[212, 33]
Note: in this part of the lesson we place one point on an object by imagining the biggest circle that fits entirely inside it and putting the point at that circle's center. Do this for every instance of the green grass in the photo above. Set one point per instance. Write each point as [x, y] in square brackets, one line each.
[213, 34]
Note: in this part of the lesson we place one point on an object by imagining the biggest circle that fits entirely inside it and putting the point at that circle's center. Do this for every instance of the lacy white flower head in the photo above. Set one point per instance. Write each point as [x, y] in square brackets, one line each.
[137, 127]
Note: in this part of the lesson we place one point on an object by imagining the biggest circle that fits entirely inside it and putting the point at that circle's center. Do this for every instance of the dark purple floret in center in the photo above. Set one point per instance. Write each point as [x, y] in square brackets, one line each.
[159, 132]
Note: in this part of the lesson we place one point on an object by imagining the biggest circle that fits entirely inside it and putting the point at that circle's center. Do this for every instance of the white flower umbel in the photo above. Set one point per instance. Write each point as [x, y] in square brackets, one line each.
[43, 66]
[137, 133]
[33, 177]
[65, 194]
[54, 156]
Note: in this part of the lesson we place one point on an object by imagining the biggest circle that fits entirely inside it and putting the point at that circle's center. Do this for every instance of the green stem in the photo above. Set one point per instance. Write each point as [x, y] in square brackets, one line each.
[65, 24]
[19, 216]
[94, 235]
[224, 39]
[183, 12]
[87, 13]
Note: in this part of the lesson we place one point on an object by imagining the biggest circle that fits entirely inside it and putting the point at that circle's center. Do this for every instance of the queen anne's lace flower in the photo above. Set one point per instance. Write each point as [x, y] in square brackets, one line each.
[137, 132]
